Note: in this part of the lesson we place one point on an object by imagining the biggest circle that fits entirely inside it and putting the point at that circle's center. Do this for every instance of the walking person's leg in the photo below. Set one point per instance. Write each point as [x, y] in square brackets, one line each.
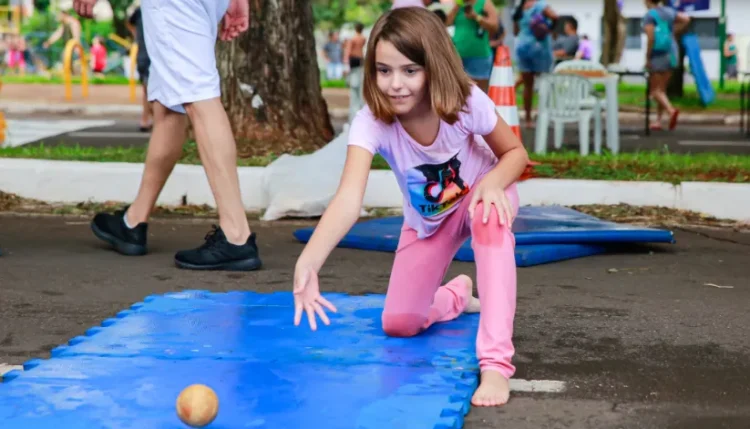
[659, 81]
[356, 101]
[126, 230]
[184, 80]
[147, 114]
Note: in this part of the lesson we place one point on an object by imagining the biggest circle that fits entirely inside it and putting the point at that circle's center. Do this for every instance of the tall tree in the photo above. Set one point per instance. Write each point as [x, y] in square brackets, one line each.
[614, 33]
[271, 81]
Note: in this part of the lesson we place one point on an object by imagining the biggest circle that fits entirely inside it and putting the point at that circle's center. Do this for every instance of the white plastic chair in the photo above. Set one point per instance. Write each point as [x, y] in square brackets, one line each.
[583, 66]
[561, 101]
[591, 100]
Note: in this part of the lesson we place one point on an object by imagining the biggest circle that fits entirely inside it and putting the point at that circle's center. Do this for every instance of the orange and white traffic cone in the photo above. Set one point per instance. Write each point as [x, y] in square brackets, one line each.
[3, 127]
[502, 92]
[502, 89]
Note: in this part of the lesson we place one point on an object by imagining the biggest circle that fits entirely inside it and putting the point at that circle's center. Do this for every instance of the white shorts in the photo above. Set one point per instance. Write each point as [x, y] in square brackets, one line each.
[180, 38]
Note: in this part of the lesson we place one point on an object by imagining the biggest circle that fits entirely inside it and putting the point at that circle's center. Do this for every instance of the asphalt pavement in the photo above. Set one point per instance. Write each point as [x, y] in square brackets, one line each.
[645, 337]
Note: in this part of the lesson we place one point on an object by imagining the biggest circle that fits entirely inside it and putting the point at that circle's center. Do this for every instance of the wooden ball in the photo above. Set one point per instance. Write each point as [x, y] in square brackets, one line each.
[197, 405]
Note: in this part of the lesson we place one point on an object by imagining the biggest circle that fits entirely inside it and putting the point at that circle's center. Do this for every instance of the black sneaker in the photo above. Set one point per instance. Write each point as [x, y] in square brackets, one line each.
[219, 254]
[112, 229]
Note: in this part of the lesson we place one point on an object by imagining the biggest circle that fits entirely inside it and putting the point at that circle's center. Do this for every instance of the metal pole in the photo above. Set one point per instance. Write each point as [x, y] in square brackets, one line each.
[722, 39]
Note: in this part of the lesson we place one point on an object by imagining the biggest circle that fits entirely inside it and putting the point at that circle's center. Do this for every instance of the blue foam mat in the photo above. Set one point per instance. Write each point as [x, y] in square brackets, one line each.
[267, 373]
[543, 234]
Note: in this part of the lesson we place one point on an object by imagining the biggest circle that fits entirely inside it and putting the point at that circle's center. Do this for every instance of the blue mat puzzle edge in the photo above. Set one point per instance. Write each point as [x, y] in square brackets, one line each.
[466, 379]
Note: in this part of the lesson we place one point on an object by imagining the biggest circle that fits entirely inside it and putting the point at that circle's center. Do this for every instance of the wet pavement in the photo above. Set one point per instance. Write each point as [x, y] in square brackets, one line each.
[638, 336]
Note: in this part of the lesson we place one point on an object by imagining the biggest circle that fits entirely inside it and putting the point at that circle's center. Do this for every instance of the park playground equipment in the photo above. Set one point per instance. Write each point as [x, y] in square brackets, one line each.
[74, 46]
[132, 49]
[10, 19]
[70, 47]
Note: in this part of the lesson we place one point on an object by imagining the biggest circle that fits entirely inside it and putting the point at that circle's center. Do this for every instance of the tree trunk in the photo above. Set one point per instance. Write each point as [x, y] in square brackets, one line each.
[676, 84]
[610, 23]
[271, 81]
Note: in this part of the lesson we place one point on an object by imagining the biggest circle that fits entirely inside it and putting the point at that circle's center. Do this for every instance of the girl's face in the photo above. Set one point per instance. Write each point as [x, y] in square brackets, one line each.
[399, 78]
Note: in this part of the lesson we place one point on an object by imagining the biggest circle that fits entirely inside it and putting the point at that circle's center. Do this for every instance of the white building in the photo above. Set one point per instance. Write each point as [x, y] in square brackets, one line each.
[705, 25]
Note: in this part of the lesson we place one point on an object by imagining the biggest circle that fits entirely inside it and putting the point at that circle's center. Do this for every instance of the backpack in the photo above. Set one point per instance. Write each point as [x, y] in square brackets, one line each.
[540, 26]
[662, 33]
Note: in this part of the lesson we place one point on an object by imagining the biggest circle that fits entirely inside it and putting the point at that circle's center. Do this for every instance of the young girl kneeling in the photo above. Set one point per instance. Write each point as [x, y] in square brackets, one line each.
[422, 115]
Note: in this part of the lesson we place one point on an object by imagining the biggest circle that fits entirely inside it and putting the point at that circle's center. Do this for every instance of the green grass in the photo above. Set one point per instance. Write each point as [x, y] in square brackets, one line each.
[112, 154]
[110, 80]
[727, 100]
[58, 80]
[642, 166]
[646, 166]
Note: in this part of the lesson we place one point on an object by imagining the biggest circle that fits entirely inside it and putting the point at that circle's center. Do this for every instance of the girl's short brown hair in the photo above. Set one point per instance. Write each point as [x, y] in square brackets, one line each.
[420, 36]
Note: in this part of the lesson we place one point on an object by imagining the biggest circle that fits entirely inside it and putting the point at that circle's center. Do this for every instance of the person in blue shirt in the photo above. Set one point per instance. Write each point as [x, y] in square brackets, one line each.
[533, 21]
[660, 24]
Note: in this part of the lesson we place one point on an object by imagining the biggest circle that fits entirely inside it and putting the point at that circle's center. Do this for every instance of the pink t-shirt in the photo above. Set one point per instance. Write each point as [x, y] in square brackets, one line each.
[433, 179]
[407, 3]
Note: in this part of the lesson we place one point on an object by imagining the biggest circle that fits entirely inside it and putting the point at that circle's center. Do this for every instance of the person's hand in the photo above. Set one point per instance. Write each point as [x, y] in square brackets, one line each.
[469, 9]
[648, 65]
[84, 8]
[490, 194]
[236, 20]
[307, 297]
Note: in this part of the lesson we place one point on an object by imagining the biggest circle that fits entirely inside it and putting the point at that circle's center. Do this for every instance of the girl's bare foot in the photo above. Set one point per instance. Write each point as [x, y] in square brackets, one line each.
[472, 303]
[493, 390]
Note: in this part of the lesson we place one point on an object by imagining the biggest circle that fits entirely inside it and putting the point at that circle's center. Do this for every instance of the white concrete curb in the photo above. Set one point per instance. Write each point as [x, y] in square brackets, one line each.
[74, 182]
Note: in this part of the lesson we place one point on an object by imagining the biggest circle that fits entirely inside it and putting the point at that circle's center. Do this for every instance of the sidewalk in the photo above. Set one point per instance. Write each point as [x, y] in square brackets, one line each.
[109, 100]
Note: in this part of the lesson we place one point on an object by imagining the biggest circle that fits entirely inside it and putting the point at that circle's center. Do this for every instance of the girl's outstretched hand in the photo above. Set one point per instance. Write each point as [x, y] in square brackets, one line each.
[307, 296]
[490, 194]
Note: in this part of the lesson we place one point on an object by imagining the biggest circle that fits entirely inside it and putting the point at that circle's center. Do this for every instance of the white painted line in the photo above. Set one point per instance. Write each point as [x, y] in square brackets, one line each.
[537, 386]
[23, 131]
[713, 143]
[110, 134]
[5, 368]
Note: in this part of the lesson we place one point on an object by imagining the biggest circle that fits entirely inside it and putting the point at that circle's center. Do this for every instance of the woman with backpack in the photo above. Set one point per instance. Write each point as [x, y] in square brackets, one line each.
[533, 21]
[660, 24]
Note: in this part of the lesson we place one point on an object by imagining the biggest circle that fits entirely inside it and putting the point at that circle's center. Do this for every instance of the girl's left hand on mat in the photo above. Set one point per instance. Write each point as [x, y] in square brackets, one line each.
[307, 296]
[489, 194]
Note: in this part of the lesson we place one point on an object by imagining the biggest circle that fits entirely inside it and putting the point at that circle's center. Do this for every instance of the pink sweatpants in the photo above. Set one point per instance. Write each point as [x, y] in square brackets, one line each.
[415, 299]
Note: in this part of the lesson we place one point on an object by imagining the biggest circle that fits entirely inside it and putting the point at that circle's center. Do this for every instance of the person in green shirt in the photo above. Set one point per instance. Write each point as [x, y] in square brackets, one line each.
[474, 22]
[730, 56]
